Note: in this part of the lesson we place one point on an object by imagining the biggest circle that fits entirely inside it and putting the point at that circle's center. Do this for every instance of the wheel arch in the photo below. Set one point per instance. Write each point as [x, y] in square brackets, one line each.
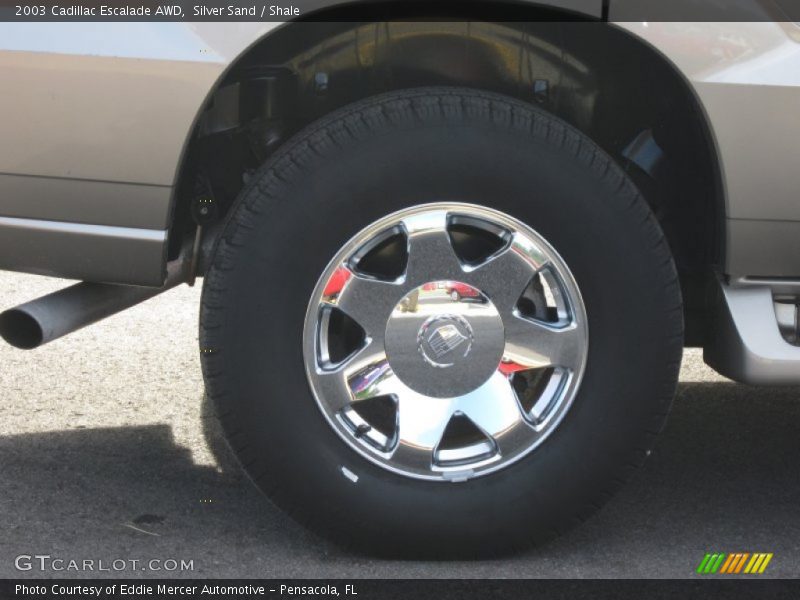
[613, 86]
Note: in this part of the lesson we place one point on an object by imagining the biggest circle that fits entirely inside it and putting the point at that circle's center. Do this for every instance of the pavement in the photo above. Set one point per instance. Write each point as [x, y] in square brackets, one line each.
[107, 454]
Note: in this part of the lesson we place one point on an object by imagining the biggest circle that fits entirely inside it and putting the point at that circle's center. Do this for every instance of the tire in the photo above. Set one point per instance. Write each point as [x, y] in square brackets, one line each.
[454, 295]
[383, 155]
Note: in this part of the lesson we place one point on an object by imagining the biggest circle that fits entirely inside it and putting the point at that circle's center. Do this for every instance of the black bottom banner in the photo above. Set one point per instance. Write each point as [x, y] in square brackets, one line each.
[411, 589]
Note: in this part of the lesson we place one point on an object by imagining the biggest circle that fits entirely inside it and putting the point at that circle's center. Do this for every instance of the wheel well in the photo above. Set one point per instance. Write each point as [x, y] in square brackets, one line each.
[612, 86]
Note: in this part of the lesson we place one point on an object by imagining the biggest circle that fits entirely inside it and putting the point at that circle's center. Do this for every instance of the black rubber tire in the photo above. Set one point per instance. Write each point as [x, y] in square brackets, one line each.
[378, 156]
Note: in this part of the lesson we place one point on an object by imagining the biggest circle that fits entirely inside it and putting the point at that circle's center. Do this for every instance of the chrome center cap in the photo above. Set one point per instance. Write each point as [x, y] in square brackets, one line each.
[444, 339]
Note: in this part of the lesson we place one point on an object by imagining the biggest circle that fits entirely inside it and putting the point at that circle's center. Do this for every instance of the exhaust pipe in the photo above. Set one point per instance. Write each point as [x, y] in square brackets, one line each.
[48, 318]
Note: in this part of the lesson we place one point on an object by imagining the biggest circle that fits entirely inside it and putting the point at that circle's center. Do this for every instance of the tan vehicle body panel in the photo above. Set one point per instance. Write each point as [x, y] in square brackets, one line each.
[748, 83]
[77, 149]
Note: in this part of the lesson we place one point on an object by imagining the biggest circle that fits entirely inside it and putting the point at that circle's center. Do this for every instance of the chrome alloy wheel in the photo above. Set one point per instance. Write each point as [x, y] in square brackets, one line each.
[445, 341]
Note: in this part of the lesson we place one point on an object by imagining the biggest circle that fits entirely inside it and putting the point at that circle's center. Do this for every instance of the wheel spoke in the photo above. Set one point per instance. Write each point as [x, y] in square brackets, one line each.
[359, 377]
[422, 422]
[430, 252]
[367, 301]
[374, 381]
[534, 344]
[332, 386]
[494, 409]
[503, 277]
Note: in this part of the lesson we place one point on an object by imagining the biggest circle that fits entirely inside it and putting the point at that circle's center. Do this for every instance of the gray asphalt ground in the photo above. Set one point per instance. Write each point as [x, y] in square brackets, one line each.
[103, 456]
